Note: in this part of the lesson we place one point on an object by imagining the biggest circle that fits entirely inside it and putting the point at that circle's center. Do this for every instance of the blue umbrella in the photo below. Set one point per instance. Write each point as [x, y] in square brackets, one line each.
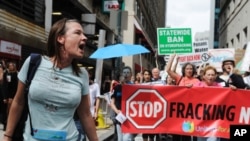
[118, 50]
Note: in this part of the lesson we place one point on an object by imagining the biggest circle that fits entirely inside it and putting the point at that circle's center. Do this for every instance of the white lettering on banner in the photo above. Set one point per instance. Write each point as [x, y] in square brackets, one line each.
[244, 115]
[175, 39]
[10, 48]
[154, 107]
[148, 109]
[174, 32]
[193, 58]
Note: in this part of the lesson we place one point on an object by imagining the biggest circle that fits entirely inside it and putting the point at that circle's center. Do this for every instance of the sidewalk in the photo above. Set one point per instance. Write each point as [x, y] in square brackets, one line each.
[105, 132]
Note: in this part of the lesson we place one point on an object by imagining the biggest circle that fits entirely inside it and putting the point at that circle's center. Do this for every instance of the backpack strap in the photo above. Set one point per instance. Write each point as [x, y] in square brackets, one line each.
[35, 60]
[179, 81]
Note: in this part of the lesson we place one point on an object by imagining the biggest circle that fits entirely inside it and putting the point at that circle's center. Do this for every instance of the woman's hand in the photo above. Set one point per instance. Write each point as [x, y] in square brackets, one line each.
[232, 87]
[95, 115]
[7, 138]
[189, 85]
[118, 111]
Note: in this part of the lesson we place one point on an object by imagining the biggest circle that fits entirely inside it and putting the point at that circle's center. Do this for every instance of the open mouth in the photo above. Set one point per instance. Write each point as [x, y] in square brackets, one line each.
[81, 46]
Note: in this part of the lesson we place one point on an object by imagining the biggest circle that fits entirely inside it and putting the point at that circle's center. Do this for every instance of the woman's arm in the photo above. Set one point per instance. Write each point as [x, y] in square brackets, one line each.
[114, 108]
[170, 72]
[97, 105]
[15, 110]
[176, 63]
[86, 119]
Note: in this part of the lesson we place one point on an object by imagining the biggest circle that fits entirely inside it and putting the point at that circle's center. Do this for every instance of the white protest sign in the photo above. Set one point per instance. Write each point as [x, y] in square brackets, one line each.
[121, 117]
[200, 46]
[218, 55]
[245, 66]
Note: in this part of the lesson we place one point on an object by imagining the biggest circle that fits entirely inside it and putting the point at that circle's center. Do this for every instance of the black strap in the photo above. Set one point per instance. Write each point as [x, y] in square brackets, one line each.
[35, 60]
[179, 81]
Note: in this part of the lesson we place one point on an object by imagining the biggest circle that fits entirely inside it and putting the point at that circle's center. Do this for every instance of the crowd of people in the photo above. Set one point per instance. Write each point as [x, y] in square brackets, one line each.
[207, 76]
[8, 87]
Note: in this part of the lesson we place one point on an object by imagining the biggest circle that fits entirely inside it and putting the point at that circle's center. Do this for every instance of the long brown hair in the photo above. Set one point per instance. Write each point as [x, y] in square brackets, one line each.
[53, 46]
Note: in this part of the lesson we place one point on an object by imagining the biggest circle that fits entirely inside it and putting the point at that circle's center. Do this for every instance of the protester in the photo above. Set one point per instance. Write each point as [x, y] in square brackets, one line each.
[208, 80]
[58, 89]
[156, 78]
[138, 78]
[9, 86]
[231, 79]
[115, 81]
[170, 81]
[186, 79]
[147, 79]
[188, 71]
[156, 74]
[116, 103]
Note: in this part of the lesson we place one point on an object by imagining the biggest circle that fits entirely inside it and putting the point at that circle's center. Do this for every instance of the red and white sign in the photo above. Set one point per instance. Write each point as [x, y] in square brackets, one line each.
[195, 111]
[152, 107]
[194, 58]
[10, 48]
[110, 5]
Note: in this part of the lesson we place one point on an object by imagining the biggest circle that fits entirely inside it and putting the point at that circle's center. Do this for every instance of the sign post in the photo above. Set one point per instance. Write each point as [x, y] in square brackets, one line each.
[170, 40]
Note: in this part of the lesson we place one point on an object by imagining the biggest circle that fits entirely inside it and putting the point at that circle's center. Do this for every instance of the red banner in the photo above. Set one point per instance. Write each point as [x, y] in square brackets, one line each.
[179, 110]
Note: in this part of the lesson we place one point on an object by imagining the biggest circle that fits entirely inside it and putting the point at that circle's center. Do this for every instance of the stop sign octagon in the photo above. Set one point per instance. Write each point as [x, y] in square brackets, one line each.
[146, 109]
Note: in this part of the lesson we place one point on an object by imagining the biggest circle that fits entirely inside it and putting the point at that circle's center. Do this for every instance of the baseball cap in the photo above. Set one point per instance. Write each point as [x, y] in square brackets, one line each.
[228, 59]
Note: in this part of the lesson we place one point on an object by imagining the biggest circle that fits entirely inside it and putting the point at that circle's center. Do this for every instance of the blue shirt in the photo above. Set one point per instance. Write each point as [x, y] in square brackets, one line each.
[53, 98]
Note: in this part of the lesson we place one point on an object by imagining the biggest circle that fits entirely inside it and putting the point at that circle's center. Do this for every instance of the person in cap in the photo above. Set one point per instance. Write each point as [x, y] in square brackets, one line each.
[231, 79]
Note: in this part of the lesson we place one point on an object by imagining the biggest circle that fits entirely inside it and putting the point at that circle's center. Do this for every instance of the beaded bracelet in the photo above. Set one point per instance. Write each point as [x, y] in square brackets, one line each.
[8, 136]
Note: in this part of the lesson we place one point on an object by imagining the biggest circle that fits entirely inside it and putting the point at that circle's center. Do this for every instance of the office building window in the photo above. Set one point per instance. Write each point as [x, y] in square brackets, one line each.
[31, 10]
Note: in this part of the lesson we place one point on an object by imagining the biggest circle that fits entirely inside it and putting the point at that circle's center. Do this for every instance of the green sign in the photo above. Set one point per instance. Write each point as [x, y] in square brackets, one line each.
[178, 40]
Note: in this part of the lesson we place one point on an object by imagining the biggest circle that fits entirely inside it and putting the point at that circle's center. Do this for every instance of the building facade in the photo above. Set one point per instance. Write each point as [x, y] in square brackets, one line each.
[214, 24]
[25, 25]
[234, 23]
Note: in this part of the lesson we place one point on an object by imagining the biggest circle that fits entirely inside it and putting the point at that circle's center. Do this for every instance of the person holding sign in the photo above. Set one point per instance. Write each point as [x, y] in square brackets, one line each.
[186, 79]
[188, 71]
[209, 80]
[116, 100]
